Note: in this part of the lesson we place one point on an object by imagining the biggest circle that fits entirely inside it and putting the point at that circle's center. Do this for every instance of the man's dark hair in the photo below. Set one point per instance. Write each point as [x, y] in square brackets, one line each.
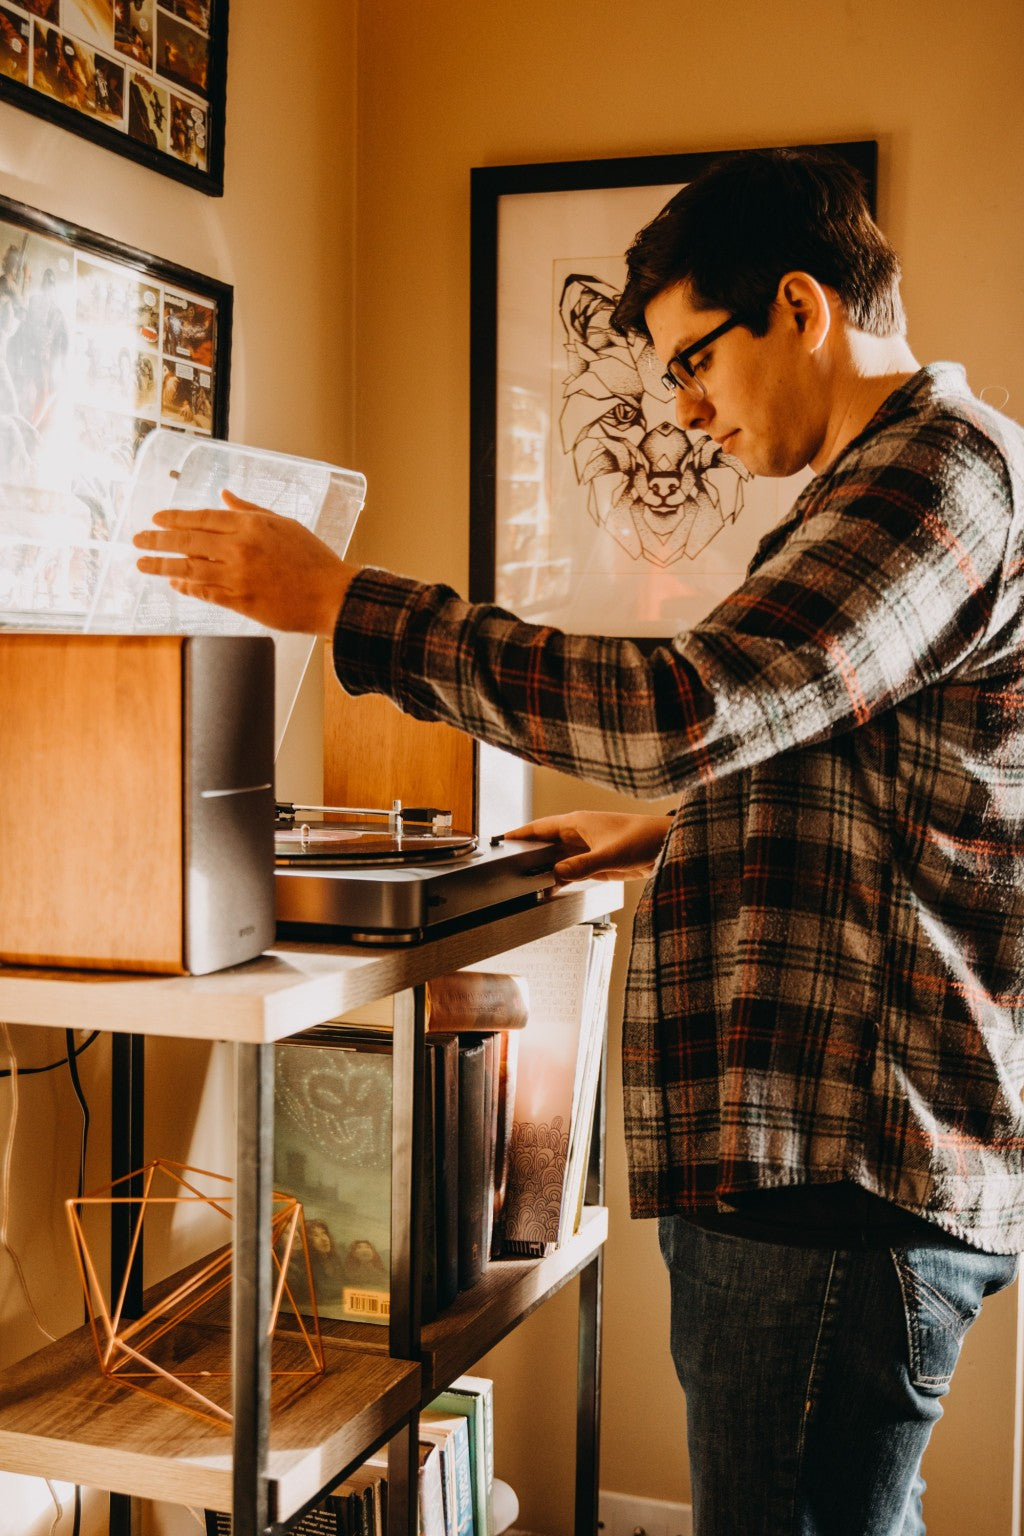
[737, 228]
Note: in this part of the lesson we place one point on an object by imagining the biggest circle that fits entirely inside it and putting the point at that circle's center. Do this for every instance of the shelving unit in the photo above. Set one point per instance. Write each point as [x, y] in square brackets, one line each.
[59, 1417]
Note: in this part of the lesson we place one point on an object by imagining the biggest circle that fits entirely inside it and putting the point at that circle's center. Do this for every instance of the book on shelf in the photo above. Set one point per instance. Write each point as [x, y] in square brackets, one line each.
[327, 1519]
[477, 1000]
[494, 1006]
[443, 1068]
[473, 1398]
[476, 1156]
[446, 1483]
[358, 1506]
[332, 1151]
[355, 1507]
[470, 1001]
[360, 1502]
[430, 1492]
[558, 1071]
[588, 1076]
[506, 1070]
[450, 1432]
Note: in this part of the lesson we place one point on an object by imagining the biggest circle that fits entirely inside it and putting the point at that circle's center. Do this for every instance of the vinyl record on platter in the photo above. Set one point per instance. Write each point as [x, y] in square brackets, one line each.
[340, 844]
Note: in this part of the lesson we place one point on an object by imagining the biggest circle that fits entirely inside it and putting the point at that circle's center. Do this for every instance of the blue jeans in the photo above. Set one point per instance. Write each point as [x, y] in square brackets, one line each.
[813, 1376]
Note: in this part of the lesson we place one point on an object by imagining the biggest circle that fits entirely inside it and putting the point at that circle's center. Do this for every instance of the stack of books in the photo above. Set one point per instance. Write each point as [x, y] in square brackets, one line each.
[456, 1477]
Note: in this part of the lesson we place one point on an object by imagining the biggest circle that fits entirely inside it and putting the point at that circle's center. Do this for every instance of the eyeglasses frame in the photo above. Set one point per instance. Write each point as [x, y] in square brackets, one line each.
[691, 385]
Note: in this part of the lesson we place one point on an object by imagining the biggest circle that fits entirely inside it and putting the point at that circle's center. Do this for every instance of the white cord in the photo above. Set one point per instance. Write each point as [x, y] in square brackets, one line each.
[5, 1184]
[58, 1506]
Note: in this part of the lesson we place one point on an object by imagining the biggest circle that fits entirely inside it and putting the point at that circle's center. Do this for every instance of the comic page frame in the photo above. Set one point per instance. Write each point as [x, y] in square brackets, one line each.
[100, 344]
[145, 78]
[588, 509]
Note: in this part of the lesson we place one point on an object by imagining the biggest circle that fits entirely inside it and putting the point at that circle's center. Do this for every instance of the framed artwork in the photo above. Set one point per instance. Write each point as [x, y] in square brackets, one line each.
[99, 344]
[146, 78]
[590, 509]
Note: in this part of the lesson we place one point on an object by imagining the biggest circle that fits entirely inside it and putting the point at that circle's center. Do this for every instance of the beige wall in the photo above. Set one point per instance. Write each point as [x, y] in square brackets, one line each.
[345, 230]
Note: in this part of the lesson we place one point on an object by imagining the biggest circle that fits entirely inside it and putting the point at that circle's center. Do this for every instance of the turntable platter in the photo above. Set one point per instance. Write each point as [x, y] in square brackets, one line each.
[347, 844]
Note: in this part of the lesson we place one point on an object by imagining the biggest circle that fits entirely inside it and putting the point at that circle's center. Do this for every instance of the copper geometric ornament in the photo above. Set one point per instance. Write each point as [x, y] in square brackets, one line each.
[188, 1328]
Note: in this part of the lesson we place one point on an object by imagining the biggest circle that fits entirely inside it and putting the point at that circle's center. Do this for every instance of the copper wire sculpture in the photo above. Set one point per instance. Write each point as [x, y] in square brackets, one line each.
[127, 1347]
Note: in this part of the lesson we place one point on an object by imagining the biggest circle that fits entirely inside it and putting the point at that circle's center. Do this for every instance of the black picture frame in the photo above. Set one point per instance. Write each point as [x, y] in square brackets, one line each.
[100, 344]
[521, 555]
[144, 78]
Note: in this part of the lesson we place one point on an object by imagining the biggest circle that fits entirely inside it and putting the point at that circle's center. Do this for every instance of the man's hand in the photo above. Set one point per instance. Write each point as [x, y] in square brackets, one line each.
[267, 567]
[614, 845]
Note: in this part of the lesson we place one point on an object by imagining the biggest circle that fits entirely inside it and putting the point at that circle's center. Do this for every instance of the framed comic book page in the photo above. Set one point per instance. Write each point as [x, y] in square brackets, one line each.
[99, 345]
[146, 78]
[589, 508]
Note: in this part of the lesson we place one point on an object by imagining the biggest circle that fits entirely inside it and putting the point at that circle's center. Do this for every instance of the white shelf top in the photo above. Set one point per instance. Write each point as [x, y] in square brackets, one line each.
[290, 988]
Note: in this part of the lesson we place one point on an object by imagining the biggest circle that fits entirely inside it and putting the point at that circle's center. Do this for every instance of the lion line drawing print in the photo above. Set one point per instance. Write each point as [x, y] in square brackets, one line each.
[663, 494]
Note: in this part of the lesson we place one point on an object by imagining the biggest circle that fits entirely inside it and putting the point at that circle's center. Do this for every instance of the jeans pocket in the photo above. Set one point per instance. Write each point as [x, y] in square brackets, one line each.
[942, 1292]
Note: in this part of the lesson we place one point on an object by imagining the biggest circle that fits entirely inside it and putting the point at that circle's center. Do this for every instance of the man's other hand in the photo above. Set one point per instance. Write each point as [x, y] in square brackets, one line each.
[242, 557]
[606, 845]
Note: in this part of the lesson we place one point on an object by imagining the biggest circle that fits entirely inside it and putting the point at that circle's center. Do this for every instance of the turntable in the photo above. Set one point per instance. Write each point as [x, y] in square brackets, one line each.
[364, 875]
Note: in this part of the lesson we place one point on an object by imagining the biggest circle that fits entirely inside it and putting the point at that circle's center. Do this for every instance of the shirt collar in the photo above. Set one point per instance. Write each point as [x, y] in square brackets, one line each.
[933, 381]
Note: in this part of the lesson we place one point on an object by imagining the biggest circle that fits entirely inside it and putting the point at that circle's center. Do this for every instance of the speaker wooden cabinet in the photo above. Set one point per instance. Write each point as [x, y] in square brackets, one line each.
[136, 800]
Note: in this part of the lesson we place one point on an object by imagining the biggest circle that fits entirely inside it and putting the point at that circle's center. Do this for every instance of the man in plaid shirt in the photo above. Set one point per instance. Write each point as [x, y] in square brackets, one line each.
[823, 1057]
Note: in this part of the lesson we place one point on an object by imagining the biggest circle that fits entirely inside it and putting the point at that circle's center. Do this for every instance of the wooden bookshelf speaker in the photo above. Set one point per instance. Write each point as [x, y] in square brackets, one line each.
[136, 800]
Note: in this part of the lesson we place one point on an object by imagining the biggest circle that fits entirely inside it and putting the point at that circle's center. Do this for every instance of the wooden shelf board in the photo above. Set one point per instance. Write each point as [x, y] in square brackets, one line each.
[61, 1418]
[290, 988]
[509, 1290]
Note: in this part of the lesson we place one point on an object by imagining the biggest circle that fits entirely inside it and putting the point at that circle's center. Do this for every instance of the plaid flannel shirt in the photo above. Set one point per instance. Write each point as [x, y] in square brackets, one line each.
[827, 973]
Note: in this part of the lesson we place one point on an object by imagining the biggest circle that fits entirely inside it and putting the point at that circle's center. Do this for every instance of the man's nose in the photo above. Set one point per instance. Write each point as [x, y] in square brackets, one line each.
[693, 415]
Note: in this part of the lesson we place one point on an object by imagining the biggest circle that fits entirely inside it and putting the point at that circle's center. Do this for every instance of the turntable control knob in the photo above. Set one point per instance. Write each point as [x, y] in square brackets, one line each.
[304, 834]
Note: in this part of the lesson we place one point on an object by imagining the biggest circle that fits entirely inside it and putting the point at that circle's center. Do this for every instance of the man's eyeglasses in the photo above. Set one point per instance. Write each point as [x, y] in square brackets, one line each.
[680, 374]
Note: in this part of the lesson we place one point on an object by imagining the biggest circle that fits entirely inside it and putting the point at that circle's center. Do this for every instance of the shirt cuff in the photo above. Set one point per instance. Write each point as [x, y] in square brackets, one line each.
[369, 629]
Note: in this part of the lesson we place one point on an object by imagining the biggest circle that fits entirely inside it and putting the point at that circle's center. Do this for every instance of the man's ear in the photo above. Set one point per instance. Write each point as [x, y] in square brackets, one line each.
[807, 305]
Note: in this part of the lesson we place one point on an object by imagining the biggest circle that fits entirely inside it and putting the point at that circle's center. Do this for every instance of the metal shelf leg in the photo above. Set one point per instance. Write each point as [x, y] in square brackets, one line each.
[127, 1152]
[251, 1286]
[588, 1368]
[407, 1067]
[588, 1398]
